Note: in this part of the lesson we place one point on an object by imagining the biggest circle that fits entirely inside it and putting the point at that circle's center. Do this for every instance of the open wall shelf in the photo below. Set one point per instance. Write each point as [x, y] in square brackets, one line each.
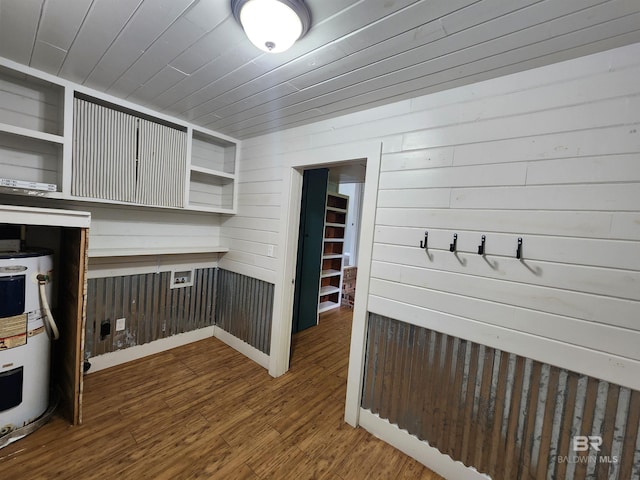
[212, 174]
[31, 133]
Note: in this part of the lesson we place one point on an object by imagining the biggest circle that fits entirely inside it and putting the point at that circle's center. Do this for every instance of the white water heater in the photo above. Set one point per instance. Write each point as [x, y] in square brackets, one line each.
[24, 343]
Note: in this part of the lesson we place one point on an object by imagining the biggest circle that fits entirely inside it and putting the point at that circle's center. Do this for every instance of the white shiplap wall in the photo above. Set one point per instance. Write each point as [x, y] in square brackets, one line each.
[250, 233]
[116, 231]
[551, 155]
[165, 231]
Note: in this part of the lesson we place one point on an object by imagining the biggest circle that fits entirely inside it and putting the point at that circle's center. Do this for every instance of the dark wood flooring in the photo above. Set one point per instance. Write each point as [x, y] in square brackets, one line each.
[205, 411]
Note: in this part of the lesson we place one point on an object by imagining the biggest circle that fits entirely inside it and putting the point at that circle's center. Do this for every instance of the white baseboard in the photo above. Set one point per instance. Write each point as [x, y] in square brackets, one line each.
[431, 457]
[125, 355]
[247, 350]
[111, 359]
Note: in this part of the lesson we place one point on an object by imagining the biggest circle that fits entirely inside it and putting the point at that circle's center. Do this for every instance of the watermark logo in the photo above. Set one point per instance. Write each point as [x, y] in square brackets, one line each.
[584, 443]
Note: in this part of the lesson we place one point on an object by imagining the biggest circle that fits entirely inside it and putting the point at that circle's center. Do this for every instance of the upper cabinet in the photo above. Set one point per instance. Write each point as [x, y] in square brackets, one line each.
[60, 140]
[125, 158]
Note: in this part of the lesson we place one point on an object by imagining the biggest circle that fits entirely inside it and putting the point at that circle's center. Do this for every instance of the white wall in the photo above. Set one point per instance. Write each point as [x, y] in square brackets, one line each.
[155, 231]
[249, 233]
[551, 155]
[114, 228]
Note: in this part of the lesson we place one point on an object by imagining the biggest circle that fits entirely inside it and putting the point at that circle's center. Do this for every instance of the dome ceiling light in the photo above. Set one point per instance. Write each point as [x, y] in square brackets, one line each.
[272, 25]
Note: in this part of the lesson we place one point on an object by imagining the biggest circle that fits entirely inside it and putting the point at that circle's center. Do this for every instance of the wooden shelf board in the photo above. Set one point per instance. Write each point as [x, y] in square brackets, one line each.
[332, 255]
[31, 193]
[336, 209]
[201, 208]
[189, 207]
[325, 306]
[36, 134]
[214, 173]
[330, 273]
[135, 252]
[328, 290]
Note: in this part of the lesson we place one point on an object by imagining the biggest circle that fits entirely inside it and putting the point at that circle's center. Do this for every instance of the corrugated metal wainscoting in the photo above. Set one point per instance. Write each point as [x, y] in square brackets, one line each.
[152, 309]
[245, 308]
[507, 416]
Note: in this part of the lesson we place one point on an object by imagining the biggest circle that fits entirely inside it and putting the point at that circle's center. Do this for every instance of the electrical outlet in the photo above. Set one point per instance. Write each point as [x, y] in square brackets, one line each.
[120, 324]
[105, 329]
[270, 251]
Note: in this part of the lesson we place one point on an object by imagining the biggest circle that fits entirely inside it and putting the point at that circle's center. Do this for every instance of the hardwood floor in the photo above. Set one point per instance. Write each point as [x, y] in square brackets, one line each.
[205, 411]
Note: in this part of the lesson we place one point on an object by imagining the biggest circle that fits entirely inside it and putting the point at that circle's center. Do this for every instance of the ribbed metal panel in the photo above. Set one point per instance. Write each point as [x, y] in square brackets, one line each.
[244, 308]
[162, 165]
[104, 150]
[118, 156]
[152, 309]
[507, 416]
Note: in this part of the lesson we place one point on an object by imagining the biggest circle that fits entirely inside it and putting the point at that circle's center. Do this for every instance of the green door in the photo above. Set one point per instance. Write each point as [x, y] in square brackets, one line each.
[314, 197]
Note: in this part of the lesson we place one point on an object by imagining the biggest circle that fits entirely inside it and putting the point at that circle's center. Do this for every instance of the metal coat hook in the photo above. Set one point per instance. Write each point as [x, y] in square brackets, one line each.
[481, 246]
[423, 243]
[454, 246]
[519, 250]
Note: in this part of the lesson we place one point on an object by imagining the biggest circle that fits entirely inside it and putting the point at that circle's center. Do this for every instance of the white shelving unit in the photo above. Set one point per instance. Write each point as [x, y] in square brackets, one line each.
[31, 134]
[335, 222]
[36, 143]
[211, 179]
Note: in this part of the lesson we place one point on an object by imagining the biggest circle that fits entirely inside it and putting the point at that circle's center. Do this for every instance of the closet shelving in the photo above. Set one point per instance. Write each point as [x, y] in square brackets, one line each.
[335, 222]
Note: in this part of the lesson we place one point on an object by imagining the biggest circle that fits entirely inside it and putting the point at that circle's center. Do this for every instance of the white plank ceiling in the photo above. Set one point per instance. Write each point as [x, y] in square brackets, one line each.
[190, 59]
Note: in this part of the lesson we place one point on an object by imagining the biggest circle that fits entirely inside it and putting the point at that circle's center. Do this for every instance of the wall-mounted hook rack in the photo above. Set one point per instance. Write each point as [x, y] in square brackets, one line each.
[481, 246]
[519, 249]
[423, 243]
[454, 246]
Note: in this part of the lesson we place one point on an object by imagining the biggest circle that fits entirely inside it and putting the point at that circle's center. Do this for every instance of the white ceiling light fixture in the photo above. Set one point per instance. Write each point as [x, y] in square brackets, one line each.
[272, 25]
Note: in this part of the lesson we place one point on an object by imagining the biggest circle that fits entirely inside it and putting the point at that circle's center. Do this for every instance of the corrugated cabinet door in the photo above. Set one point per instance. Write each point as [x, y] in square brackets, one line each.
[104, 153]
[162, 165]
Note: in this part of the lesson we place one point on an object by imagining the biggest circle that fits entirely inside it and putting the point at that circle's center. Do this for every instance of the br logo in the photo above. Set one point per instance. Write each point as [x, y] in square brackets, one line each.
[582, 443]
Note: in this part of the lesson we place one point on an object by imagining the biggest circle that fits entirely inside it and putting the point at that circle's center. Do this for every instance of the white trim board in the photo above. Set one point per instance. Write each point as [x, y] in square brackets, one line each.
[243, 347]
[409, 444]
[44, 216]
[112, 359]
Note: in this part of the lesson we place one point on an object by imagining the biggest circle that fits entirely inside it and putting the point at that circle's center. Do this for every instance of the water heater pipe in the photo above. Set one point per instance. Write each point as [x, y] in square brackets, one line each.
[42, 282]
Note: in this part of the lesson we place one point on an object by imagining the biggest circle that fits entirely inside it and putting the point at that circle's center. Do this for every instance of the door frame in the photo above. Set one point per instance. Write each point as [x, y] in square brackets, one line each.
[293, 165]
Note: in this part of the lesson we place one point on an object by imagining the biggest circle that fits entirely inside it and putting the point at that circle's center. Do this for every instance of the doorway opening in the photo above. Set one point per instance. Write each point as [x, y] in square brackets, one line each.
[327, 249]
